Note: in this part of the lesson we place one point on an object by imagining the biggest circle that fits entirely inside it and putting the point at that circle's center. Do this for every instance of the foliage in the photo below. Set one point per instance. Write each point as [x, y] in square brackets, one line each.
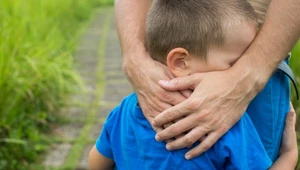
[37, 39]
[295, 64]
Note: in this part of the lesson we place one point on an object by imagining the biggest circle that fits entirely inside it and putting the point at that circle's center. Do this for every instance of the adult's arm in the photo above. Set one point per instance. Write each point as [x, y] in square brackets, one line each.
[220, 98]
[142, 71]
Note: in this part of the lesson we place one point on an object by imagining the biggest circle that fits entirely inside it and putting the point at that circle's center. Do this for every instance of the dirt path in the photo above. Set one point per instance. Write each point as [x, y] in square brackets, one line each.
[99, 63]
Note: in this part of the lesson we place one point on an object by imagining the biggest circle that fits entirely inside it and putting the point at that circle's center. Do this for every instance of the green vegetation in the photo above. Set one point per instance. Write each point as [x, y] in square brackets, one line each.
[37, 40]
[295, 64]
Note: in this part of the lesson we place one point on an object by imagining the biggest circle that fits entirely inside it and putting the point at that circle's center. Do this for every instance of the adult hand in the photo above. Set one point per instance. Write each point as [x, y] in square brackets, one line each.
[217, 103]
[144, 73]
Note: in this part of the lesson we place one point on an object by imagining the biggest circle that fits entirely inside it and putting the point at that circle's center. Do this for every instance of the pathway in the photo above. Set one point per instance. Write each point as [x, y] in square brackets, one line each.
[99, 63]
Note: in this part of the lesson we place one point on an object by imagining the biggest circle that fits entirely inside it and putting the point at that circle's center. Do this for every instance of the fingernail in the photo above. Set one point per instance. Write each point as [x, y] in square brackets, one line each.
[157, 138]
[168, 147]
[153, 123]
[188, 157]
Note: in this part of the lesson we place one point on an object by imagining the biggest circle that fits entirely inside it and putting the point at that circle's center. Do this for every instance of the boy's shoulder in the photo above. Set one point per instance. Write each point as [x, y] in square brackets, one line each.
[243, 132]
[242, 146]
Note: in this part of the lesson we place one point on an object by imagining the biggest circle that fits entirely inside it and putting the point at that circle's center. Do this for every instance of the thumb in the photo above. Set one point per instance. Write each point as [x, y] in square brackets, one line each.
[181, 83]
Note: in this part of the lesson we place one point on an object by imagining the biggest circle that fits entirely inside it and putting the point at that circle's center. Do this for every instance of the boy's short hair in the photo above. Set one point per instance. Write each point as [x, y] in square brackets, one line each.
[260, 7]
[195, 25]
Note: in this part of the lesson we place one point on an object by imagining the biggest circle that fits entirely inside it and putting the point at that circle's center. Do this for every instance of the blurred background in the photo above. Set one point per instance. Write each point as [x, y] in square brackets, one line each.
[295, 64]
[37, 72]
[37, 44]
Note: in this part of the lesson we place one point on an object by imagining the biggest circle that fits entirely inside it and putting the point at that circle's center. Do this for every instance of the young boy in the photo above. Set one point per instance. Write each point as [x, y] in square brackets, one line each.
[188, 36]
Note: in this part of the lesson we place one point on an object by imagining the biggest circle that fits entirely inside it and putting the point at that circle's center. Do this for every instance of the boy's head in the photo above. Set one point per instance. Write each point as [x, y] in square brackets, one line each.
[199, 35]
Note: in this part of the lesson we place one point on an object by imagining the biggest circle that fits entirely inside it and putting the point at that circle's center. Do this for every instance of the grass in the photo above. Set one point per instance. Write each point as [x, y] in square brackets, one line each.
[37, 40]
[295, 64]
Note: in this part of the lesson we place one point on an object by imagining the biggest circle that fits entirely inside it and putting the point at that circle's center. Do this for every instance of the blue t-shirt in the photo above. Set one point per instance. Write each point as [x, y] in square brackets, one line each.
[268, 111]
[128, 139]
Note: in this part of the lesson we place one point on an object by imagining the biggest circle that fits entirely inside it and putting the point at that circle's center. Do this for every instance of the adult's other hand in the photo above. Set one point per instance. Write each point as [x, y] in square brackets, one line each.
[217, 103]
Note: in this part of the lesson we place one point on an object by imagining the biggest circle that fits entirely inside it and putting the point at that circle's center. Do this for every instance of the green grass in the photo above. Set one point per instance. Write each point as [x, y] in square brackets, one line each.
[295, 64]
[37, 42]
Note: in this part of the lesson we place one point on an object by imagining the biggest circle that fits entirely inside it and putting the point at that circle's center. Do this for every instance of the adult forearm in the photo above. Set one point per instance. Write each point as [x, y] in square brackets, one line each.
[142, 71]
[278, 35]
[130, 18]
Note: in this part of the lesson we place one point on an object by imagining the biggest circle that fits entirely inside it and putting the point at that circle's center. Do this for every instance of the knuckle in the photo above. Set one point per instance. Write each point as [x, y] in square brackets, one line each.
[194, 77]
[175, 131]
[206, 128]
[175, 81]
[193, 104]
[189, 140]
[214, 121]
[206, 145]
[204, 115]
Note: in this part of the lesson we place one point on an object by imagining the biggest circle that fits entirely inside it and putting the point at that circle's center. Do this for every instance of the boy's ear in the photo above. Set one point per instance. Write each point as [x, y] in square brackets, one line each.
[177, 62]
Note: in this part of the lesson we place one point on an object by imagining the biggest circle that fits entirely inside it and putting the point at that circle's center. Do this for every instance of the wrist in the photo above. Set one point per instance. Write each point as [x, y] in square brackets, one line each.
[255, 71]
[132, 58]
